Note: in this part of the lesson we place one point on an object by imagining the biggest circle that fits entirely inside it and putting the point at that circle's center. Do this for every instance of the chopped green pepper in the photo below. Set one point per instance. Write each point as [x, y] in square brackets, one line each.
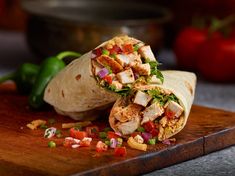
[51, 144]
[105, 52]
[102, 135]
[140, 129]
[152, 141]
[43, 126]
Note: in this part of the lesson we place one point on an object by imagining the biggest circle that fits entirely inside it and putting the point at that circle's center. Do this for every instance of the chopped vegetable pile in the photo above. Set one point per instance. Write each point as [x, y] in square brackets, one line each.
[84, 134]
[123, 62]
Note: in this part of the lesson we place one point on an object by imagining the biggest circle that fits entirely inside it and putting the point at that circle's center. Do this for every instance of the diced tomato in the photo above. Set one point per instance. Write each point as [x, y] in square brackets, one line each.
[68, 142]
[135, 134]
[120, 151]
[154, 132]
[92, 131]
[128, 48]
[108, 79]
[75, 133]
[97, 52]
[85, 143]
[169, 114]
[149, 126]
[112, 134]
[115, 50]
[101, 147]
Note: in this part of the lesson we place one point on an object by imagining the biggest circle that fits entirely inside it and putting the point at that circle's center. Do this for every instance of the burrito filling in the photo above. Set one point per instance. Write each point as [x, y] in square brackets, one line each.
[156, 111]
[123, 62]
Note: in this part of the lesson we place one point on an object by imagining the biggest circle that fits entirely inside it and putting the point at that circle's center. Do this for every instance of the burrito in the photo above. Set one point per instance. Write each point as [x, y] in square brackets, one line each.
[166, 106]
[94, 81]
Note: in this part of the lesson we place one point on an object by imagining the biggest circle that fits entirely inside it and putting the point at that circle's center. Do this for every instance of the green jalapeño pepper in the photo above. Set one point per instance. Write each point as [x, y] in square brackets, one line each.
[24, 77]
[49, 68]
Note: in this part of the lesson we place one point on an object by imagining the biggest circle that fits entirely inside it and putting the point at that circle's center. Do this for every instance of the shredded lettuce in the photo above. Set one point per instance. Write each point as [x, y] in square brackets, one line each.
[154, 69]
[161, 98]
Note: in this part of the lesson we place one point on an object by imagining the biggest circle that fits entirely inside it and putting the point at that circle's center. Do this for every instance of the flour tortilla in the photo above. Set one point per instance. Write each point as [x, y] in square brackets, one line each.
[74, 91]
[180, 83]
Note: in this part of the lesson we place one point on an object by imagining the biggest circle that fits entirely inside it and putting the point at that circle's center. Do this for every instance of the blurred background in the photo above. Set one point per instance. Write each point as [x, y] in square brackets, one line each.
[196, 35]
[180, 26]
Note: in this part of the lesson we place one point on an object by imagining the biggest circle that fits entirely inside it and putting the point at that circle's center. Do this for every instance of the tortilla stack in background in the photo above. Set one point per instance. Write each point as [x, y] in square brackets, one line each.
[167, 105]
[94, 81]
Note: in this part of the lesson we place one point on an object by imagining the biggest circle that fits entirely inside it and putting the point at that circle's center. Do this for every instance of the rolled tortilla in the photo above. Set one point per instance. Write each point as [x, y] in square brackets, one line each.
[167, 105]
[95, 80]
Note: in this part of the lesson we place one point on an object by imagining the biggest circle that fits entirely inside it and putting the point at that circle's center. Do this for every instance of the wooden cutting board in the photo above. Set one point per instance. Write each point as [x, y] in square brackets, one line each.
[25, 152]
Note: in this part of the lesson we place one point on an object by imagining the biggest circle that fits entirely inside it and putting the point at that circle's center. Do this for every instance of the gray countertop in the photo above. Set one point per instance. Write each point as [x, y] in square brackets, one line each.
[14, 51]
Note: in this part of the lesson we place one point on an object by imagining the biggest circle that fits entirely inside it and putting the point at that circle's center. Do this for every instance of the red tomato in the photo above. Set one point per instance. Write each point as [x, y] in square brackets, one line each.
[169, 114]
[149, 126]
[186, 46]
[128, 48]
[115, 50]
[92, 131]
[154, 132]
[120, 151]
[111, 134]
[97, 52]
[68, 142]
[216, 59]
[100, 146]
[85, 143]
[75, 133]
[108, 79]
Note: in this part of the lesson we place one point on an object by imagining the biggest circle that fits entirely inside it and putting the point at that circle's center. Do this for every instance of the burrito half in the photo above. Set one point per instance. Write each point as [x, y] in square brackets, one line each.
[162, 110]
[95, 80]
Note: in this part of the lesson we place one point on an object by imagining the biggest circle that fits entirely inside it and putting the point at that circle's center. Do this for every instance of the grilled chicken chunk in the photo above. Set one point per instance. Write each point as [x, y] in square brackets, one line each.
[122, 59]
[127, 113]
[152, 112]
[147, 53]
[126, 77]
[142, 69]
[173, 109]
[108, 61]
[142, 98]
[129, 127]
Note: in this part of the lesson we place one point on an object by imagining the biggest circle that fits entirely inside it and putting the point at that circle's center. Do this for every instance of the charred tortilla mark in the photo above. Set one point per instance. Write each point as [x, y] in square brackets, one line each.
[78, 77]
[49, 90]
[188, 85]
[62, 92]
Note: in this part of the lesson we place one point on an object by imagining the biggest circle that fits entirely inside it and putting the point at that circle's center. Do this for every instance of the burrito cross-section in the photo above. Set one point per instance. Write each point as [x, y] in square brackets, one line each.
[162, 110]
[95, 80]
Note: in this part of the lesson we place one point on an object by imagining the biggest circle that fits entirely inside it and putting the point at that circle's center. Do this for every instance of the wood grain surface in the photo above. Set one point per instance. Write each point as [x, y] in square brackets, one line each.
[25, 152]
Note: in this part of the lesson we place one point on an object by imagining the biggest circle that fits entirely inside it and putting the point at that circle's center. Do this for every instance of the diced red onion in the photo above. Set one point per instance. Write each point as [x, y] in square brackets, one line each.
[136, 75]
[76, 141]
[167, 142]
[113, 143]
[103, 72]
[118, 133]
[146, 136]
[93, 55]
[75, 145]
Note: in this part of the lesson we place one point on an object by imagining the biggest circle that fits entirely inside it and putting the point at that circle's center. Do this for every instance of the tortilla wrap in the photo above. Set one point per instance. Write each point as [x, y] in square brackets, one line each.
[74, 91]
[181, 84]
